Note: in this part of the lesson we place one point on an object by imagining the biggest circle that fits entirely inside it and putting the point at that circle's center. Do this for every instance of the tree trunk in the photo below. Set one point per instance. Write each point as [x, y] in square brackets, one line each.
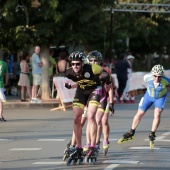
[45, 73]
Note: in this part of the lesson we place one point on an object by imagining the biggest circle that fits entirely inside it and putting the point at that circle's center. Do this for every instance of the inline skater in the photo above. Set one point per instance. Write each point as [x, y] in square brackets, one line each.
[156, 94]
[106, 106]
[88, 92]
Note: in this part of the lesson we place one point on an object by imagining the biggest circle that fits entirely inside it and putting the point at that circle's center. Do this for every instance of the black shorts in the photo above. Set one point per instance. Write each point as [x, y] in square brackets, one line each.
[83, 98]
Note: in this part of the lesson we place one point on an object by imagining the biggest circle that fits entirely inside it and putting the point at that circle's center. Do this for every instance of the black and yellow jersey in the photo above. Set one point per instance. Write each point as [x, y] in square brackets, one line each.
[88, 79]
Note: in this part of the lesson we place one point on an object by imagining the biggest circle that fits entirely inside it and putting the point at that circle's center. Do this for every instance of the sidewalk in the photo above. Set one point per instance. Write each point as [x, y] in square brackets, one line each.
[15, 102]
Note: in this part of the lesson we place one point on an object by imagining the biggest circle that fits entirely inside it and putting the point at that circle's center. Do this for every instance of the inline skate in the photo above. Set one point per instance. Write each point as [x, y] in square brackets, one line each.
[151, 139]
[105, 147]
[75, 156]
[91, 156]
[98, 147]
[127, 137]
[68, 151]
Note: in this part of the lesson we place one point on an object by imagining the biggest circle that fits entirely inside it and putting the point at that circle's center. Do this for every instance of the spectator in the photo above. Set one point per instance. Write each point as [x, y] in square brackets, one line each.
[129, 97]
[24, 81]
[18, 71]
[121, 67]
[36, 73]
[62, 64]
[3, 72]
[52, 63]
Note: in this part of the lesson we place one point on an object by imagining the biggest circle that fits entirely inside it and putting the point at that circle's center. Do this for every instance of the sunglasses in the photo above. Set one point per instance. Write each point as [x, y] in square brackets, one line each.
[75, 64]
[157, 76]
[93, 60]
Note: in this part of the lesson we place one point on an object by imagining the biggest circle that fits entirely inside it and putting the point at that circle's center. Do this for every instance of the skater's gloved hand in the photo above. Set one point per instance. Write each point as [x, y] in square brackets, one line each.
[68, 85]
[111, 108]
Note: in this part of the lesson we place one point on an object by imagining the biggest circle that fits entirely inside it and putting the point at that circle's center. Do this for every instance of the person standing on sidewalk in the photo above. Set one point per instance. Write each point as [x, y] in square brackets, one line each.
[121, 67]
[36, 73]
[3, 72]
[129, 97]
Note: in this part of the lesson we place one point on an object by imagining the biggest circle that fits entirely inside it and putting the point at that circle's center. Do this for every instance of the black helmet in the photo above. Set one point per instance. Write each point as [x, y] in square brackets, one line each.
[77, 56]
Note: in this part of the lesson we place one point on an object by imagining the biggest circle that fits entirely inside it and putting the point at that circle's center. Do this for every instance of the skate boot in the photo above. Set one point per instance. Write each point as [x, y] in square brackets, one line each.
[105, 147]
[151, 139]
[98, 147]
[68, 151]
[91, 156]
[127, 136]
[76, 156]
[86, 149]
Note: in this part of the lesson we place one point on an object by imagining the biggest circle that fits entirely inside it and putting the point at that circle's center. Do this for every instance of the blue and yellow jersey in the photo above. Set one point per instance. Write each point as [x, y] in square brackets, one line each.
[160, 90]
[88, 79]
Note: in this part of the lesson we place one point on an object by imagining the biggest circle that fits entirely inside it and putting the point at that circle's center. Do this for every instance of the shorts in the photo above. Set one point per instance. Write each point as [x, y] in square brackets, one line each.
[37, 79]
[82, 99]
[147, 101]
[2, 95]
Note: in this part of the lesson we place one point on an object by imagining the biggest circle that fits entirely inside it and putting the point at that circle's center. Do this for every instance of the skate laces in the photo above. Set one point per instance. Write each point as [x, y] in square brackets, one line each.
[152, 136]
[129, 134]
[71, 148]
[91, 151]
[76, 152]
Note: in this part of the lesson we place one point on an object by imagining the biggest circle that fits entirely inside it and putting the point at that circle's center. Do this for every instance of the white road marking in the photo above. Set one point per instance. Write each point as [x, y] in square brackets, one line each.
[147, 147]
[160, 140]
[49, 163]
[166, 134]
[25, 149]
[120, 162]
[5, 140]
[52, 140]
[112, 166]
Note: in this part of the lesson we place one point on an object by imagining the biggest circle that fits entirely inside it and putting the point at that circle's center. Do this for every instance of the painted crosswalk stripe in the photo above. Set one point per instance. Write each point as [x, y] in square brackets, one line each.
[52, 140]
[5, 140]
[25, 149]
[120, 162]
[112, 166]
[111, 139]
[160, 139]
[142, 147]
[49, 163]
[166, 134]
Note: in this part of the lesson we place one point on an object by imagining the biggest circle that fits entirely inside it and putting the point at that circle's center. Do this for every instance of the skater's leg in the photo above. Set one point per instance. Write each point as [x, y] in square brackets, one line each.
[137, 118]
[77, 125]
[99, 116]
[157, 119]
[91, 113]
[105, 126]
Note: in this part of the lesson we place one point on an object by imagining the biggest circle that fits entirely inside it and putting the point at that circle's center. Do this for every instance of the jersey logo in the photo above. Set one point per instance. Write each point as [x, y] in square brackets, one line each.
[87, 75]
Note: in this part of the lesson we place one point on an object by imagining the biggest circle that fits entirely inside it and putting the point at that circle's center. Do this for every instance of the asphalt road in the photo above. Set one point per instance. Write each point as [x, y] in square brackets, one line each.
[35, 138]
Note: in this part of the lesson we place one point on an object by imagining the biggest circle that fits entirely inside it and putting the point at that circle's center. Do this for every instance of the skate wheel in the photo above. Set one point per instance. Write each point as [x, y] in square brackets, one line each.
[69, 160]
[64, 157]
[75, 161]
[94, 160]
[120, 140]
[87, 160]
[151, 144]
[80, 160]
[105, 151]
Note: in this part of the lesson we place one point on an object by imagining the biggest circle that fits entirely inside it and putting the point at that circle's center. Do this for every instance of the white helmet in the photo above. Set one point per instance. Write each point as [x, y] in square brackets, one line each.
[158, 70]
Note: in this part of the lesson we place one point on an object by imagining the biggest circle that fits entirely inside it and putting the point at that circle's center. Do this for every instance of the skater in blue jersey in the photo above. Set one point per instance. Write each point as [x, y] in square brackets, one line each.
[156, 94]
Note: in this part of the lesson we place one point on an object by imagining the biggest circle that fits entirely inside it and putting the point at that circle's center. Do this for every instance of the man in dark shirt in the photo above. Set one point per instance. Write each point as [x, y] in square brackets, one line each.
[121, 67]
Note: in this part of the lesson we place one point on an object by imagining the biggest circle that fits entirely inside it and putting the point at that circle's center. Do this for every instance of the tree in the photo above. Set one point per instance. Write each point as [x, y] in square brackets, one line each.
[53, 22]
